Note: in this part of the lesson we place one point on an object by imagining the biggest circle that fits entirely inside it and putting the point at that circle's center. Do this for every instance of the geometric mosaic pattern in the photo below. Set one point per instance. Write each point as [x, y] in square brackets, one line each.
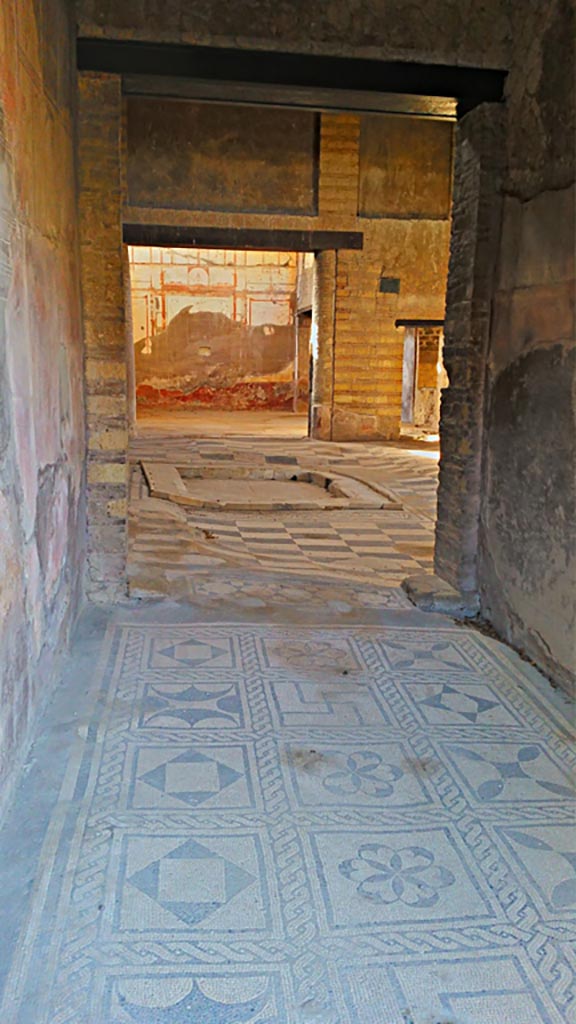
[412, 473]
[383, 546]
[165, 778]
[287, 824]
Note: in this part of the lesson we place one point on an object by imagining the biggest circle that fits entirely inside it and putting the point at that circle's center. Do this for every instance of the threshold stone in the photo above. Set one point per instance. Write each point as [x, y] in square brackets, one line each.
[431, 593]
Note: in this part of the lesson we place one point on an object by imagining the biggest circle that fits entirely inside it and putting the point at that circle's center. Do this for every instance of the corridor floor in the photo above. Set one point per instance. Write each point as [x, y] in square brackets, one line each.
[179, 552]
[285, 818]
[292, 798]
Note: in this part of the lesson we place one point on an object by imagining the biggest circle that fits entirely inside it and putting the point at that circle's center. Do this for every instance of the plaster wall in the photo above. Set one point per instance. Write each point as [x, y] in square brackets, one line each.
[220, 157]
[41, 379]
[405, 240]
[505, 530]
[430, 378]
[527, 539]
[214, 327]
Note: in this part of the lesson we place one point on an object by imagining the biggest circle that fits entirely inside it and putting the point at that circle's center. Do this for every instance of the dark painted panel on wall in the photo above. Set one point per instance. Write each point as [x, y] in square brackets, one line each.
[405, 167]
[389, 285]
[185, 155]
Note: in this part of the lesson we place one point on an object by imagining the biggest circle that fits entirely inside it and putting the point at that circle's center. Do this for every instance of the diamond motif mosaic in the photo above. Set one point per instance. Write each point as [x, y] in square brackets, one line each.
[297, 824]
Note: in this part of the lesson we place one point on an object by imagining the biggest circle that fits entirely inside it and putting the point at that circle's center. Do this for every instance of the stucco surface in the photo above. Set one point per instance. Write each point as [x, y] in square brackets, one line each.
[405, 167]
[41, 423]
[218, 157]
[527, 539]
[527, 571]
[464, 32]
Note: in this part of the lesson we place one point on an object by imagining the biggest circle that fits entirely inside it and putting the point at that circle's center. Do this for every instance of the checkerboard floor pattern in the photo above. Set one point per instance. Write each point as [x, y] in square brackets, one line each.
[381, 546]
[410, 472]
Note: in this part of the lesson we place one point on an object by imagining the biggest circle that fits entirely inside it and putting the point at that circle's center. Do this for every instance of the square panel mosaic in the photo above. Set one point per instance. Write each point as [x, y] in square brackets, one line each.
[301, 825]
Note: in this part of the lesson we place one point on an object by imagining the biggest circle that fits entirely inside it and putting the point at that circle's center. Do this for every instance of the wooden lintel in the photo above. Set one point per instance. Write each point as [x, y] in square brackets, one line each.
[273, 239]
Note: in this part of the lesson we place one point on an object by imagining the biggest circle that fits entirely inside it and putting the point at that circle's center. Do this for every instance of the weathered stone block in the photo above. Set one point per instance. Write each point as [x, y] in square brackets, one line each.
[107, 473]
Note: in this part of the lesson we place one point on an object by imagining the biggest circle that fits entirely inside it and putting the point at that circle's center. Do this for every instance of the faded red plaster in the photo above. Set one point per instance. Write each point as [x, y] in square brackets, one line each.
[244, 395]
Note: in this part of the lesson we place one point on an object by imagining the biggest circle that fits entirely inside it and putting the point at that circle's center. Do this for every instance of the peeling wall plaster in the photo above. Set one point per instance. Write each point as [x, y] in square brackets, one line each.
[41, 418]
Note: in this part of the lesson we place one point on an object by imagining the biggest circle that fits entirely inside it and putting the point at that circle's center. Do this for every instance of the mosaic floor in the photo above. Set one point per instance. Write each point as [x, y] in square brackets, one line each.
[291, 798]
[305, 824]
[409, 470]
[170, 546]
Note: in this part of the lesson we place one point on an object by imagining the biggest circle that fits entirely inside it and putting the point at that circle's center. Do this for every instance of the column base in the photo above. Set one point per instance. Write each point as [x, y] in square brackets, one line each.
[343, 425]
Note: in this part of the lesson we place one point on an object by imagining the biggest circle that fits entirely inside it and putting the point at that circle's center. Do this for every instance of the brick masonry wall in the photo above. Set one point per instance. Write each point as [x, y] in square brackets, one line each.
[104, 332]
[365, 399]
[367, 349]
[428, 353]
[41, 395]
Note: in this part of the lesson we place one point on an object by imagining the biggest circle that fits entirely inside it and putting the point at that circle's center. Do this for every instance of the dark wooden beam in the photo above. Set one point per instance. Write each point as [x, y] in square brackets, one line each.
[183, 237]
[418, 323]
[469, 86]
[296, 97]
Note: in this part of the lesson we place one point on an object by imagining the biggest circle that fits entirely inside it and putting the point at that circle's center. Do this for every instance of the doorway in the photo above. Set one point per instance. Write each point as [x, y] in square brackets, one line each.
[221, 339]
[423, 375]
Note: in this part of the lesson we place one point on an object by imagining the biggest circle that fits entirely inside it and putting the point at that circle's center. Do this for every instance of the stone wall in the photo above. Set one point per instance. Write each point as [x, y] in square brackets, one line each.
[444, 31]
[527, 539]
[41, 403]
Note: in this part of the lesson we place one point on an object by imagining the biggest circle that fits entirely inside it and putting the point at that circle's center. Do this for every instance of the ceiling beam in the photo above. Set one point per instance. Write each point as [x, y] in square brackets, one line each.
[274, 240]
[468, 86]
[296, 97]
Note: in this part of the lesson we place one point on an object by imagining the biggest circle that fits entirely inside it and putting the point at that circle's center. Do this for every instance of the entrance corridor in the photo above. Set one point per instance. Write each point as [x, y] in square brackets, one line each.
[286, 796]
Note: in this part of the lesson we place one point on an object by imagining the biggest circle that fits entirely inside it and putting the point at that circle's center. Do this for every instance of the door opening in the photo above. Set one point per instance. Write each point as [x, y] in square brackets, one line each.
[222, 337]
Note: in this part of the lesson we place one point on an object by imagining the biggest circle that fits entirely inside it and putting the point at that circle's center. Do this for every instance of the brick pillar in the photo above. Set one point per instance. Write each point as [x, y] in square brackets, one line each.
[322, 396]
[130, 356]
[337, 199]
[367, 348]
[476, 217]
[339, 163]
[104, 332]
[361, 353]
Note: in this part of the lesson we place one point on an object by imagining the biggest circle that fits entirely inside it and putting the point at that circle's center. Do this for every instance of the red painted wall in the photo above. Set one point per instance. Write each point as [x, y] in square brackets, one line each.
[213, 327]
